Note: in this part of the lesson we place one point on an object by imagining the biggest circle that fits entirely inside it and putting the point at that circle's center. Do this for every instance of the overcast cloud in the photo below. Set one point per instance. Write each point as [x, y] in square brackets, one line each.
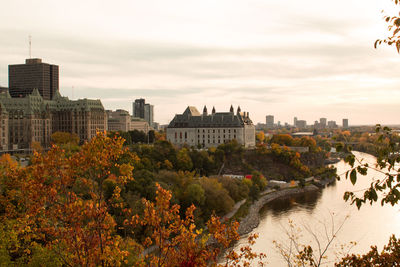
[288, 58]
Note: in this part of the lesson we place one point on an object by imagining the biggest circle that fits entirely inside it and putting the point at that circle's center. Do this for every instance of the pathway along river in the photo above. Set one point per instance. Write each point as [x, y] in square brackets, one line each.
[371, 225]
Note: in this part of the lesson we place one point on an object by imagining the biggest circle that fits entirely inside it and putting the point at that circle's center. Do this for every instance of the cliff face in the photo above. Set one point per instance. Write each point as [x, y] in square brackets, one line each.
[270, 166]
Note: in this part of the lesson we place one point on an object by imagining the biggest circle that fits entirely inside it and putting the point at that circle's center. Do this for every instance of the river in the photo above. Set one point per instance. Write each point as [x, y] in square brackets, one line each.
[371, 225]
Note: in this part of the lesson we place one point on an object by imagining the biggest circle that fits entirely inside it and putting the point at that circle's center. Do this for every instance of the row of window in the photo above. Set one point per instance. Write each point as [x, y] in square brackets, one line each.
[218, 130]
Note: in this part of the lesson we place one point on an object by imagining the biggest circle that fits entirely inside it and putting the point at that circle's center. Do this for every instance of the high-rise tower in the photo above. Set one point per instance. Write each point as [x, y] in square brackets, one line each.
[23, 78]
[142, 110]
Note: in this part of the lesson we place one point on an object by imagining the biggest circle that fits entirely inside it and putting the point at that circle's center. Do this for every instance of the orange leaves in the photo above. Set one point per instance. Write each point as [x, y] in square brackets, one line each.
[7, 162]
[63, 203]
[178, 241]
[60, 200]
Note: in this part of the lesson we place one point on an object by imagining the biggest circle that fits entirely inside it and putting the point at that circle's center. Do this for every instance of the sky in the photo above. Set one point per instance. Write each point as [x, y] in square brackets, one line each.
[287, 58]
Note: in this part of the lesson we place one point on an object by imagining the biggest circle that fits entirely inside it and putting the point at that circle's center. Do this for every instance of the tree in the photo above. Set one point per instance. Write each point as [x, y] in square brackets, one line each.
[44, 206]
[314, 253]
[184, 161]
[389, 256]
[385, 190]
[260, 136]
[62, 138]
[394, 30]
[179, 242]
[389, 185]
[62, 210]
[282, 139]
[214, 190]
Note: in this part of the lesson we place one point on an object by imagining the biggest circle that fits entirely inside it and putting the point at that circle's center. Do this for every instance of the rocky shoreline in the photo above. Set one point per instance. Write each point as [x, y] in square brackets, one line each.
[251, 221]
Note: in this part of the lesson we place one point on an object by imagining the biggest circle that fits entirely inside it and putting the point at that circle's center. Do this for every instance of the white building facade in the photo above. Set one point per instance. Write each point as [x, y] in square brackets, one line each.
[211, 130]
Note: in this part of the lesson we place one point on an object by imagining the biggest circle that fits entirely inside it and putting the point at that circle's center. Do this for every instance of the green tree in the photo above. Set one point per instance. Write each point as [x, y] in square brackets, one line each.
[214, 190]
[184, 162]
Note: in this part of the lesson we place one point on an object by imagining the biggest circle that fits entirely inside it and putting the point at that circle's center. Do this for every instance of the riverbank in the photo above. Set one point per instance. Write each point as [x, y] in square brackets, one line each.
[252, 220]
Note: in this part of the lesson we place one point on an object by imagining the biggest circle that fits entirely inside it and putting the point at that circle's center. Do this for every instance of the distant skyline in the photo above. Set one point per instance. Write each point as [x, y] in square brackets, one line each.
[308, 59]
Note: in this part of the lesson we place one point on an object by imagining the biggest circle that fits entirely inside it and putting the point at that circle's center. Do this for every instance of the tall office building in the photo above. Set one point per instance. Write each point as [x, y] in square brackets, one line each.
[142, 110]
[345, 123]
[23, 78]
[322, 122]
[269, 119]
[295, 122]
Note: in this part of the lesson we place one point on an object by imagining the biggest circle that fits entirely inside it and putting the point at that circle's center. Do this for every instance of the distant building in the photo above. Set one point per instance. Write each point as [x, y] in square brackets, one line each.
[269, 119]
[295, 122]
[23, 78]
[345, 123]
[33, 119]
[261, 126]
[144, 111]
[301, 124]
[332, 124]
[32, 108]
[140, 125]
[121, 120]
[322, 123]
[208, 130]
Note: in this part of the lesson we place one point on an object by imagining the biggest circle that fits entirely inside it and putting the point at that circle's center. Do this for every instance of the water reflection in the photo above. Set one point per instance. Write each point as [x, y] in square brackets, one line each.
[306, 202]
[371, 225]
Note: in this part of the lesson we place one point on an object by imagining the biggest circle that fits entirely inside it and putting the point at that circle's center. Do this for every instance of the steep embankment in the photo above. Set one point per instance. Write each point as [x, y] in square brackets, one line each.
[269, 165]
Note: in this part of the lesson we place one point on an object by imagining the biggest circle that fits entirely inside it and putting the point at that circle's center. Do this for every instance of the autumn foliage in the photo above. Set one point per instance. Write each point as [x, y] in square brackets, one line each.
[61, 211]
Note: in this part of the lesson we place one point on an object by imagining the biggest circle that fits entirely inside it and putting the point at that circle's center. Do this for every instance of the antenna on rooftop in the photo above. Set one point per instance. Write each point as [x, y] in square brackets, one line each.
[30, 46]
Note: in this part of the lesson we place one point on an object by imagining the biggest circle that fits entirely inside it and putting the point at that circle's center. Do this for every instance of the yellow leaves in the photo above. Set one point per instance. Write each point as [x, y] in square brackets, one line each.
[7, 162]
[260, 136]
[126, 169]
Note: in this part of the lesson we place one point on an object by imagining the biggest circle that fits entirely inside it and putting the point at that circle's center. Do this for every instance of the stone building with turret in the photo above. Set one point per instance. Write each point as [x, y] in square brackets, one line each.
[210, 130]
[29, 119]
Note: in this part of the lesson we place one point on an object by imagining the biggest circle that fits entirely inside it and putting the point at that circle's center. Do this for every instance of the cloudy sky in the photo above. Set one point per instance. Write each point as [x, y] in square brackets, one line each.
[310, 58]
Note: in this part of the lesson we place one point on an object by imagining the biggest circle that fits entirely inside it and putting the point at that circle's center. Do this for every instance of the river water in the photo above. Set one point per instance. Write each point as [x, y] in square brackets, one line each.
[371, 225]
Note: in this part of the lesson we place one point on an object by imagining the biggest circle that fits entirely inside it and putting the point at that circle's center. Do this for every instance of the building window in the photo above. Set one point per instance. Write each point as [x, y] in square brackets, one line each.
[213, 131]
[224, 130]
[234, 130]
[176, 135]
[185, 135]
[180, 135]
